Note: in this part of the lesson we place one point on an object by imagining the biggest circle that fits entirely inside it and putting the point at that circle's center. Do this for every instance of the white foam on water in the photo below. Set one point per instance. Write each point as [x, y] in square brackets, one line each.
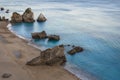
[78, 72]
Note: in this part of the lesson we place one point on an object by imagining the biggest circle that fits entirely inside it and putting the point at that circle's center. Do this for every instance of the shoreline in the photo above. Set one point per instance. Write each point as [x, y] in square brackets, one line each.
[33, 71]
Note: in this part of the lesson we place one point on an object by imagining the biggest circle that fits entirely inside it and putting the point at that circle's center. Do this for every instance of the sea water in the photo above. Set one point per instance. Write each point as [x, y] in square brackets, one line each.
[91, 24]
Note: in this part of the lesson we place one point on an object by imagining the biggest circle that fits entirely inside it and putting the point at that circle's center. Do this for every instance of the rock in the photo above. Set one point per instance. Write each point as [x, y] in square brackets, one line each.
[54, 37]
[62, 45]
[28, 15]
[6, 75]
[41, 18]
[54, 56]
[1, 8]
[39, 35]
[0, 18]
[75, 50]
[7, 11]
[3, 18]
[16, 18]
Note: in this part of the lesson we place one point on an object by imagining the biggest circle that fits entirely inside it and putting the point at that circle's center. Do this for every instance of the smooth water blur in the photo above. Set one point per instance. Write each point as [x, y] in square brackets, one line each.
[91, 24]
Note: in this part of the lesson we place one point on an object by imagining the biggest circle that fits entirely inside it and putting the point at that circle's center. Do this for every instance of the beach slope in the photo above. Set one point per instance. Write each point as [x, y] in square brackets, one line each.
[15, 52]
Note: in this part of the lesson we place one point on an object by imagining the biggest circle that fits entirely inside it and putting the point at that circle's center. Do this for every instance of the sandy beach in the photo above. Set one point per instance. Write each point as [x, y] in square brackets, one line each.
[15, 52]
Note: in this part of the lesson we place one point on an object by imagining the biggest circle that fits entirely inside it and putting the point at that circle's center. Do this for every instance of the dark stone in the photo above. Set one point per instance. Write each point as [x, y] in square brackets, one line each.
[39, 35]
[7, 11]
[53, 56]
[54, 37]
[1, 8]
[0, 18]
[75, 50]
[6, 75]
[61, 45]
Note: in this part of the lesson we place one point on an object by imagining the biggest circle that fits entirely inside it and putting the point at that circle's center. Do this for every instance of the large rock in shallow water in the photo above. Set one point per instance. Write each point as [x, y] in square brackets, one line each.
[39, 35]
[28, 15]
[75, 50]
[16, 18]
[54, 37]
[41, 18]
[54, 56]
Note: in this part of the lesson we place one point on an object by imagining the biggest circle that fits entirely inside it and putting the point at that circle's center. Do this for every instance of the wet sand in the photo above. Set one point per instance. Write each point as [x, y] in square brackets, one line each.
[15, 52]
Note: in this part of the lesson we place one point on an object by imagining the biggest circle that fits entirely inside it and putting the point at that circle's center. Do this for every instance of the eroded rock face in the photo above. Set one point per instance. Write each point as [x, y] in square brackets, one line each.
[54, 56]
[75, 50]
[39, 35]
[28, 15]
[41, 18]
[16, 18]
[54, 37]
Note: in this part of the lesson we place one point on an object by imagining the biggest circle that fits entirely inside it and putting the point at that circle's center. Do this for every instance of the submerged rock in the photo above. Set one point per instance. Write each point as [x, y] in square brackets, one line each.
[41, 18]
[75, 50]
[54, 56]
[39, 35]
[28, 15]
[54, 37]
[16, 18]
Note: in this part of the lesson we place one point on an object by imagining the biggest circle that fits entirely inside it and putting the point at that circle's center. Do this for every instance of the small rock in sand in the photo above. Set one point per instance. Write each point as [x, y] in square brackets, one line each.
[6, 75]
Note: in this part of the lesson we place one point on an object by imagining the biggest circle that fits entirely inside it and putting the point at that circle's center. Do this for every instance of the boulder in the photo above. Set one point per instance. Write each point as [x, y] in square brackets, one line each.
[53, 56]
[28, 15]
[39, 35]
[41, 18]
[16, 18]
[75, 50]
[54, 37]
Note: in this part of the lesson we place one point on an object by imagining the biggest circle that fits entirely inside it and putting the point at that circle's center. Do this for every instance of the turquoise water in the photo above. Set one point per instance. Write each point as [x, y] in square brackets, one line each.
[93, 25]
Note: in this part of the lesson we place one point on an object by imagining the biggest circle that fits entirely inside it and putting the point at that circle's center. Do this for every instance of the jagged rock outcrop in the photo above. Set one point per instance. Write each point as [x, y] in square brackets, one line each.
[54, 56]
[16, 18]
[75, 50]
[28, 15]
[54, 37]
[41, 18]
[39, 35]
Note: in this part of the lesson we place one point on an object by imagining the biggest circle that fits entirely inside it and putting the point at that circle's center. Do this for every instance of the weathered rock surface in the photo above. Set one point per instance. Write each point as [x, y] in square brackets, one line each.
[6, 75]
[39, 35]
[16, 18]
[54, 56]
[28, 15]
[54, 37]
[75, 50]
[41, 18]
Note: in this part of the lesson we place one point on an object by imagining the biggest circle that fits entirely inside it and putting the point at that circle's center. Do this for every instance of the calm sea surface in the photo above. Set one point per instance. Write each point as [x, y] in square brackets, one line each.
[91, 24]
